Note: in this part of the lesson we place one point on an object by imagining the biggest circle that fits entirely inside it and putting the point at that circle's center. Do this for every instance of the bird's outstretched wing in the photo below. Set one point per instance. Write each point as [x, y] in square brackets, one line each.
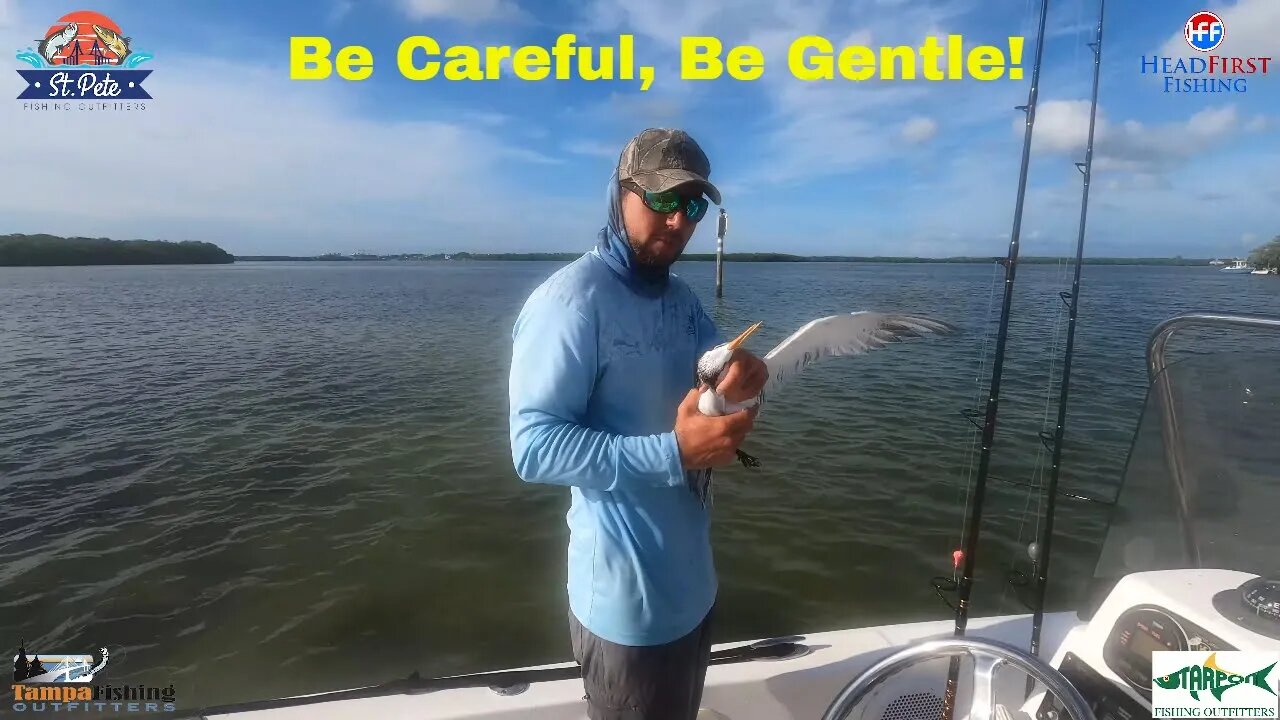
[838, 335]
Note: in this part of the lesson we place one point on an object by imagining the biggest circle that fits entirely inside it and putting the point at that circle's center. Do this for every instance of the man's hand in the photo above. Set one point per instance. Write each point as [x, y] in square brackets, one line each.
[745, 377]
[707, 441]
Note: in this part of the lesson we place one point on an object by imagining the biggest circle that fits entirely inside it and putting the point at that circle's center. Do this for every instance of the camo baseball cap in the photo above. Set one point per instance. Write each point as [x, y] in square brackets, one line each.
[659, 159]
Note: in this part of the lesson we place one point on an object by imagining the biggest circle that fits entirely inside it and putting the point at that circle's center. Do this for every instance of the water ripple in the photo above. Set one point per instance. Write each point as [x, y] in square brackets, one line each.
[217, 472]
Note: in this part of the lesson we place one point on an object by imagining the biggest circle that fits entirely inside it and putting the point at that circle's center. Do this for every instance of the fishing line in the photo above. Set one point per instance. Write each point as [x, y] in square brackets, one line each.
[1036, 483]
[1079, 31]
[977, 397]
[1054, 346]
[1026, 17]
[970, 528]
[966, 557]
[1035, 486]
[1072, 298]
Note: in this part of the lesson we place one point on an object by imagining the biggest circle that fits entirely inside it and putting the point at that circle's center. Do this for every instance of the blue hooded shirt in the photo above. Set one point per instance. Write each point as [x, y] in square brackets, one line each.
[603, 352]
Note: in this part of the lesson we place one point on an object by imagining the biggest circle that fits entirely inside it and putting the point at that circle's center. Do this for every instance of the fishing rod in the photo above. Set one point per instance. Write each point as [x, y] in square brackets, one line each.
[1040, 559]
[973, 525]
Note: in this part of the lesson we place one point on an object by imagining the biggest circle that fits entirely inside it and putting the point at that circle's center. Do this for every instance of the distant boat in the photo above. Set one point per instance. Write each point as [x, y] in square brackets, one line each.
[1237, 266]
[1216, 261]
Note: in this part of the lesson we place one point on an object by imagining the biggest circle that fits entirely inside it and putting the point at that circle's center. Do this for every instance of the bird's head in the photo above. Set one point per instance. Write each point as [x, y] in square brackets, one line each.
[714, 361]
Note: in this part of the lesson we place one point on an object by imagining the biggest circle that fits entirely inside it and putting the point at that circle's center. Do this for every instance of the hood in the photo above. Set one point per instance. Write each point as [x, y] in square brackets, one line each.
[613, 247]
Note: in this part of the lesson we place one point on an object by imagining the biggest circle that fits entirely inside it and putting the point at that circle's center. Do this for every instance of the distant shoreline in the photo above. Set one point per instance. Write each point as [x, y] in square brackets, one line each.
[18, 250]
[729, 257]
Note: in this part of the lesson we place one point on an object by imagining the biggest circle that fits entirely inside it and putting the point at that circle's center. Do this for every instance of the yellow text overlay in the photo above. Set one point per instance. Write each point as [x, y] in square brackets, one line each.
[813, 57]
[809, 58]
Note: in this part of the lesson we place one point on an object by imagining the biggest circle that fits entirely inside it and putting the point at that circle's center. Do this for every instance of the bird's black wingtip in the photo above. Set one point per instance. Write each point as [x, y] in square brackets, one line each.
[919, 325]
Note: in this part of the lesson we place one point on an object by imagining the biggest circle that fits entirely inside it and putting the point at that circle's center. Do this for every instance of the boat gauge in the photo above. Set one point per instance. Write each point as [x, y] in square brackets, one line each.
[1138, 633]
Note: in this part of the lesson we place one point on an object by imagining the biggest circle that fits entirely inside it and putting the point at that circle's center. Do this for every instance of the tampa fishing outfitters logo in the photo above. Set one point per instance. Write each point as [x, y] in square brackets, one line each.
[84, 62]
[1214, 684]
[1201, 71]
[55, 682]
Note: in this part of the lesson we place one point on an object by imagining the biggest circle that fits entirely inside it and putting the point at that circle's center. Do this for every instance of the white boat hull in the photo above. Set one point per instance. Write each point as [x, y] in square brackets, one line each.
[785, 689]
[802, 687]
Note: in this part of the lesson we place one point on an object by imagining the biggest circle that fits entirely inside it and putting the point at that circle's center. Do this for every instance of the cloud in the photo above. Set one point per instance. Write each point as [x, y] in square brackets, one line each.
[664, 21]
[489, 119]
[1259, 123]
[808, 130]
[919, 130]
[1252, 28]
[1152, 184]
[592, 148]
[1158, 149]
[1213, 122]
[467, 11]
[873, 131]
[238, 154]
[339, 11]
[1061, 126]
[650, 109]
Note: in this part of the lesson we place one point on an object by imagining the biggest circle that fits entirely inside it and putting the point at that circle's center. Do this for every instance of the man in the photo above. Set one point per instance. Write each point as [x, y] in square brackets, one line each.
[602, 400]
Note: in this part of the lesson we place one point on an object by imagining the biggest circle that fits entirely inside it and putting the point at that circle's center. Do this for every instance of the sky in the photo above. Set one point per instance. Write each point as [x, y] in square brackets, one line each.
[230, 150]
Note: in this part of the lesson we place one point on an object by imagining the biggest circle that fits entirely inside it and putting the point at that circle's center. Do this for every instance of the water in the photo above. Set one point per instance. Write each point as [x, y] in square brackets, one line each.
[267, 479]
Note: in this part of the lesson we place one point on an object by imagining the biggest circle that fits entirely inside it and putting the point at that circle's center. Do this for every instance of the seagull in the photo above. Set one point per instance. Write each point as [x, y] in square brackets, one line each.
[833, 336]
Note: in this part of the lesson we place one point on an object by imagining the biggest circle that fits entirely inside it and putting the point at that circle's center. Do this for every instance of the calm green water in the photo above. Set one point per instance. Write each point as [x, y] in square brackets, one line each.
[264, 479]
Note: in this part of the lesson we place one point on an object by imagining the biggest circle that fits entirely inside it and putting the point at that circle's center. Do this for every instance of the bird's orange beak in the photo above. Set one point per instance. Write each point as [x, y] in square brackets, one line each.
[737, 342]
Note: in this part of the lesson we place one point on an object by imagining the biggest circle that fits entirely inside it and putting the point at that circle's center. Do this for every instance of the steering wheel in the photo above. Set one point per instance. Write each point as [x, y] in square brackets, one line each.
[987, 656]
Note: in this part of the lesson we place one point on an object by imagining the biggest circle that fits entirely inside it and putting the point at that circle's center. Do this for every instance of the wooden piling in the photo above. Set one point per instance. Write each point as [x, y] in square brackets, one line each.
[722, 225]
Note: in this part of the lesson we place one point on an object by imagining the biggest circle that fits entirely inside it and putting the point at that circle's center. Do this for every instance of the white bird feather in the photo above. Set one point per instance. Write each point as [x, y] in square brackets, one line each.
[833, 336]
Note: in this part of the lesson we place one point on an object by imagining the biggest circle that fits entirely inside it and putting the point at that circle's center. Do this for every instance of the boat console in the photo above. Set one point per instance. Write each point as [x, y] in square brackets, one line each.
[1108, 659]
[1199, 491]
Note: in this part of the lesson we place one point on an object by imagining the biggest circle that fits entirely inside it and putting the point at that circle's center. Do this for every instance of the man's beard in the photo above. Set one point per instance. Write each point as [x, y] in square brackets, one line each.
[654, 261]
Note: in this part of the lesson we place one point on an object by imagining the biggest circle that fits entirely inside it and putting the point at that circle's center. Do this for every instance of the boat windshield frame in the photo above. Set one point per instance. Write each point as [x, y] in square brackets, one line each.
[1143, 527]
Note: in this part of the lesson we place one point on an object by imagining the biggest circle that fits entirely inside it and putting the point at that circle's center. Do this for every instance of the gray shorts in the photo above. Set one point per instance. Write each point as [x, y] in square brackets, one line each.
[657, 682]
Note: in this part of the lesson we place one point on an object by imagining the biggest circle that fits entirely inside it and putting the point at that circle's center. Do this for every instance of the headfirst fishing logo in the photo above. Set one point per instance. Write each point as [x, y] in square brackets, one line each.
[1214, 684]
[84, 61]
[1205, 73]
[60, 682]
[1204, 31]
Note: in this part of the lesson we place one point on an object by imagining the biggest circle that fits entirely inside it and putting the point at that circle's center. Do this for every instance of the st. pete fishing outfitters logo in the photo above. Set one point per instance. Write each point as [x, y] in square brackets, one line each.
[84, 62]
[54, 682]
[1202, 72]
[1214, 684]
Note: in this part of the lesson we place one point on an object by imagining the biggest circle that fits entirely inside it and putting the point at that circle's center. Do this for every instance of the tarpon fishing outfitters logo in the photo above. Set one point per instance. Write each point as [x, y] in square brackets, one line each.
[84, 62]
[1214, 684]
[1203, 72]
[54, 682]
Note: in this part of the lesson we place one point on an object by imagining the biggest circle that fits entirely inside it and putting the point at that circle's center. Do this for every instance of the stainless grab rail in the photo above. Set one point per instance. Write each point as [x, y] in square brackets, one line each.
[1160, 336]
[1172, 433]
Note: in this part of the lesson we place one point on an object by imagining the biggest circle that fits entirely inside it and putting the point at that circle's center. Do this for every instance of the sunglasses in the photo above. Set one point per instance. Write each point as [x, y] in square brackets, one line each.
[669, 201]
